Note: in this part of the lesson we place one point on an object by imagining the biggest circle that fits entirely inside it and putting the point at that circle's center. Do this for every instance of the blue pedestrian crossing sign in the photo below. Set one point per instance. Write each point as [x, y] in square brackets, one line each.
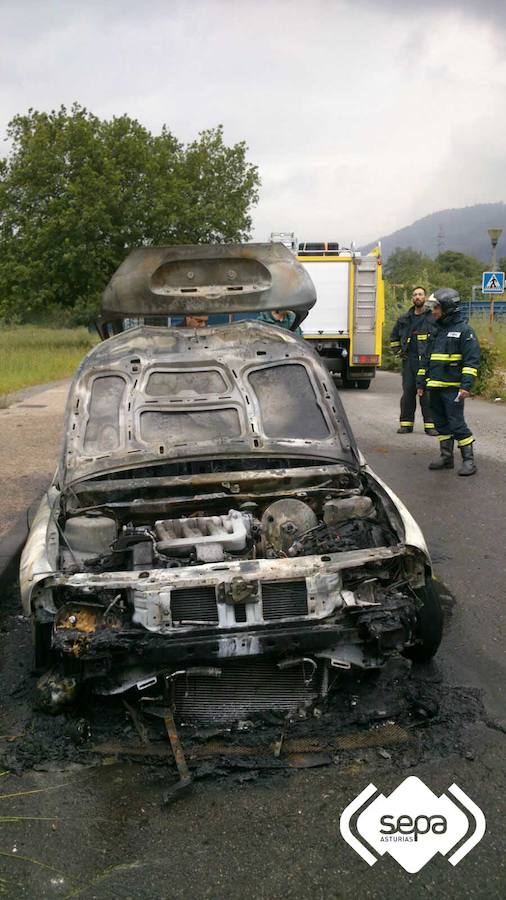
[492, 283]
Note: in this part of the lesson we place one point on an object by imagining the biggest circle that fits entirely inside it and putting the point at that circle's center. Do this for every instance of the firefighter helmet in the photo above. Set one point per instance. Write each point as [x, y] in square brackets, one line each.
[448, 299]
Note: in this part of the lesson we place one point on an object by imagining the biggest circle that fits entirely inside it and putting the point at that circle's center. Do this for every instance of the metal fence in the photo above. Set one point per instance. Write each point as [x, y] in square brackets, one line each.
[482, 308]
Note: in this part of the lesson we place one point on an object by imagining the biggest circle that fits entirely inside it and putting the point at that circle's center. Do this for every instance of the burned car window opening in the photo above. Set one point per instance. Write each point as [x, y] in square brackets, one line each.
[211, 514]
[288, 403]
[103, 427]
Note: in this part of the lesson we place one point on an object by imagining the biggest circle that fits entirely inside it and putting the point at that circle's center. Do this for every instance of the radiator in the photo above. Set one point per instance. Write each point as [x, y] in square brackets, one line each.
[243, 689]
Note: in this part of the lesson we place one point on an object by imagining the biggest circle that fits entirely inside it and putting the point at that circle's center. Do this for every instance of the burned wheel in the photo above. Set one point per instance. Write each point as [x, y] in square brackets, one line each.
[429, 625]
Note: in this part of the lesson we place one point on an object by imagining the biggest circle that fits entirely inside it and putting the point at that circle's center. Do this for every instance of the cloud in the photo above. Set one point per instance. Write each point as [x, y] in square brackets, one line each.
[359, 114]
[486, 11]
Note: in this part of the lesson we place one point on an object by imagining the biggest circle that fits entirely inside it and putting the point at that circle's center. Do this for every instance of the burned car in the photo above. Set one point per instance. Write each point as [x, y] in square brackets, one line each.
[212, 523]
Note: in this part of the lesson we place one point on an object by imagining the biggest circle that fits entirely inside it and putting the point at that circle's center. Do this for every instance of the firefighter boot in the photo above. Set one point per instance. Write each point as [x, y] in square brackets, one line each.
[468, 466]
[445, 461]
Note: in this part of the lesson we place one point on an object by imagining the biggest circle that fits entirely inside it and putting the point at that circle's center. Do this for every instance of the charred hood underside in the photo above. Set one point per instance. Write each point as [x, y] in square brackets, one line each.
[153, 394]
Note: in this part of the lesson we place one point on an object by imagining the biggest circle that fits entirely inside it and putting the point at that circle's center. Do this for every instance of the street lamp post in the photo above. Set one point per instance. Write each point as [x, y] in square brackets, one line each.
[494, 235]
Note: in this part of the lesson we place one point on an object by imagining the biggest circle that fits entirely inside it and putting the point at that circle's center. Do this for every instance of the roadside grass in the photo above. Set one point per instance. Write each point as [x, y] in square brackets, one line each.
[32, 355]
[495, 384]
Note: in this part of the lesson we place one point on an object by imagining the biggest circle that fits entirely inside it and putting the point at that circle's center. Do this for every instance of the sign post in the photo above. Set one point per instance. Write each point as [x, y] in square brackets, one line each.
[492, 283]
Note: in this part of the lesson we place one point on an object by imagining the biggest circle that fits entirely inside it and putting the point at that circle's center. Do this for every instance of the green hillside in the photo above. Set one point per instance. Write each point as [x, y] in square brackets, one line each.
[463, 229]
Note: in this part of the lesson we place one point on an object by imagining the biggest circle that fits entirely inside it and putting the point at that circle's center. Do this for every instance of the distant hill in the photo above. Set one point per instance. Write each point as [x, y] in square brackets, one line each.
[464, 230]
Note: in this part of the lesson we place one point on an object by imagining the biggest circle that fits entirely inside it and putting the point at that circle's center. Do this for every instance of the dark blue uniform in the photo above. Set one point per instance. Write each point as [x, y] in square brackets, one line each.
[409, 339]
[450, 364]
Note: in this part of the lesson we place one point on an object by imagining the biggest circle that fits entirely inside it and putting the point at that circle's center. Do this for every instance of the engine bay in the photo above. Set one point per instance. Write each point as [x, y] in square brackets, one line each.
[162, 570]
[244, 521]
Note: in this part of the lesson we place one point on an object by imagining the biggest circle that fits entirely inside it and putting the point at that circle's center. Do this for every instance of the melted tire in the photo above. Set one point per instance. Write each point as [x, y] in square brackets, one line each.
[429, 627]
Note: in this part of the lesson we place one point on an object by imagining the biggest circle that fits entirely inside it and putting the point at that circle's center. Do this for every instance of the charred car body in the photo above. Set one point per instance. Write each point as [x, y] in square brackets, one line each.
[212, 522]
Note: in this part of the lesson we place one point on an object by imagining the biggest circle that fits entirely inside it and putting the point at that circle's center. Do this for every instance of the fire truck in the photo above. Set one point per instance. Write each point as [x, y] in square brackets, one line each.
[345, 325]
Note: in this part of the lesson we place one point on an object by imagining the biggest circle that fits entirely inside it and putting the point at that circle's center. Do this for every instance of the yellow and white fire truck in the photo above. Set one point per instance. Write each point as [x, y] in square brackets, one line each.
[345, 325]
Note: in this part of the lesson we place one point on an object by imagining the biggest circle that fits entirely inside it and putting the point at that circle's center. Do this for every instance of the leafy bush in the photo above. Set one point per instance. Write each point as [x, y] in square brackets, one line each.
[82, 313]
[487, 369]
[407, 268]
[491, 381]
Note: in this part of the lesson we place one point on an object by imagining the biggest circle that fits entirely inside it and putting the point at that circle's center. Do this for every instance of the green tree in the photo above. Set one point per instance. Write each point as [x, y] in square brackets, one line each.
[408, 267]
[215, 192]
[459, 263]
[405, 265]
[76, 192]
[459, 271]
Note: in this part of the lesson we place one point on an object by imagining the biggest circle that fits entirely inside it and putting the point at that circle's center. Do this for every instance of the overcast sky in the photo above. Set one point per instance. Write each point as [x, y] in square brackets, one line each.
[362, 115]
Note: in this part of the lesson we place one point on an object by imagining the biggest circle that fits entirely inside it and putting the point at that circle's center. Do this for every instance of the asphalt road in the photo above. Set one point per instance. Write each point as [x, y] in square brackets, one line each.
[104, 835]
[30, 433]
[463, 520]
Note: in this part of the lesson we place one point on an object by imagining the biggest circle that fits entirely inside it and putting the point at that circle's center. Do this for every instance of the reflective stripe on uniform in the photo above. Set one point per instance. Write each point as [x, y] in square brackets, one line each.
[429, 425]
[446, 357]
[422, 337]
[421, 372]
[406, 423]
[395, 343]
[464, 441]
[469, 370]
[444, 437]
[443, 384]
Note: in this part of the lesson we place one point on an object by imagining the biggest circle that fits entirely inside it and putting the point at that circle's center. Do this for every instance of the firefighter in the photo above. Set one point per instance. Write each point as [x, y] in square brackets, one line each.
[282, 317]
[448, 371]
[408, 340]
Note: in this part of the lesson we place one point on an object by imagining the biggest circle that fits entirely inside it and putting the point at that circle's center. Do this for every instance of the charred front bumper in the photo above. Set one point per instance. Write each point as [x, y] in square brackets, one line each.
[364, 640]
[343, 608]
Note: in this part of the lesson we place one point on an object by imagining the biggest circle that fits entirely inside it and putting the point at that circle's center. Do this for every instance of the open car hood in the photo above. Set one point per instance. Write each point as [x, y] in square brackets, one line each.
[154, 394]
[206, 278]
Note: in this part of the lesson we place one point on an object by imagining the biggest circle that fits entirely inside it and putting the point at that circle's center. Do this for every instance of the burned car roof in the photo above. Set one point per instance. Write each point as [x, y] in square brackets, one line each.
[151, 394]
